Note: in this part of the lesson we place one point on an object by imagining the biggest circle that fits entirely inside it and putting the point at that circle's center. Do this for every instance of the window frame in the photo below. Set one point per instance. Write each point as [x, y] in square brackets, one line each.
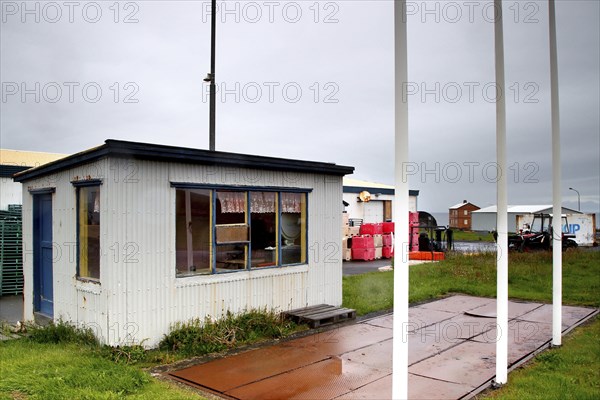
[78, 186]
[247, 190]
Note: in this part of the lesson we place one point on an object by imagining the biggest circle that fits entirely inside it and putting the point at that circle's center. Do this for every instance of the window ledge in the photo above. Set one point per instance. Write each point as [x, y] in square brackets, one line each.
[240, 276]
[88, 286]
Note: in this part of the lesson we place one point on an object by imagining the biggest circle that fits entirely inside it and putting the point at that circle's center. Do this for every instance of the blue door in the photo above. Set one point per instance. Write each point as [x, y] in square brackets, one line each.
[42, 254]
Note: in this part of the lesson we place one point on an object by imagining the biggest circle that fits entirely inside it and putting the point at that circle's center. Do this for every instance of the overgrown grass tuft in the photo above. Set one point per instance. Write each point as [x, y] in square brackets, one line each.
[198, 337]
[71, 371]
[131, 354]
[530, 278]
[62, 332]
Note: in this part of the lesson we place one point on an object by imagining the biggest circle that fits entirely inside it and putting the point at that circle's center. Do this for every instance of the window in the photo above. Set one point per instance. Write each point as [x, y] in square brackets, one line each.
[293, 228]
[263, 220]
[466, 212]
[88, 232]
[231, 231]
[465, 222]
[192, 232]
[227, 230]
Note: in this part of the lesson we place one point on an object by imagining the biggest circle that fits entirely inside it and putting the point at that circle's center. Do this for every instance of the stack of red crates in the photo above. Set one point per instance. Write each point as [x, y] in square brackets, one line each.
[363, 247]
[375, 230]
[413, 223]
[388, 239]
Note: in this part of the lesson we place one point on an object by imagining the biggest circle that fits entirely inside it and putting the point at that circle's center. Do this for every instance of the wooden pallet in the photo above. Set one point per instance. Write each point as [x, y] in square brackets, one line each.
[320, 315]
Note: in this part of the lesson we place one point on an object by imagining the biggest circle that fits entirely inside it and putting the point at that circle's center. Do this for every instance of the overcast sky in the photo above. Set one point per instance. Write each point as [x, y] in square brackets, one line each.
[313, 80]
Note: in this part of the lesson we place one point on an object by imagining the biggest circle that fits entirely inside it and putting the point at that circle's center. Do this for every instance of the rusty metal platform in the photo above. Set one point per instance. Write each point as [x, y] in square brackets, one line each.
[451, 355]
[320, 315]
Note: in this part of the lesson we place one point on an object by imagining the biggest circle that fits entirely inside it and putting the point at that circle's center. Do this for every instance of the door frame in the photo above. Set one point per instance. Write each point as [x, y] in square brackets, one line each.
[38, 197]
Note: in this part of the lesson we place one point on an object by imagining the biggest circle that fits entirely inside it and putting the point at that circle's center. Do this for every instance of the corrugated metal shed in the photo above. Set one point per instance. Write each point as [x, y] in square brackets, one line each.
[139, 295]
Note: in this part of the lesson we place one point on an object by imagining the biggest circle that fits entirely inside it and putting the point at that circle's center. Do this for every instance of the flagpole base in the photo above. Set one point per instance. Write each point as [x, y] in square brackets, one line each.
[496, 385]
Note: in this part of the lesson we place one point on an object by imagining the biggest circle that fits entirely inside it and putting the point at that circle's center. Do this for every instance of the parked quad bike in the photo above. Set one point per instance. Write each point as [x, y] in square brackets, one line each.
[538, 236]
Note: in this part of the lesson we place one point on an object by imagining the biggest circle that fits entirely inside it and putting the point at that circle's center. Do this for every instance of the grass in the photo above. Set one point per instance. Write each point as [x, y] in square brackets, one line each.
[32, 370]
[199, 337]
[59, 361]
[530, 278]
[571, 369]
[472, 236]
[62, 362]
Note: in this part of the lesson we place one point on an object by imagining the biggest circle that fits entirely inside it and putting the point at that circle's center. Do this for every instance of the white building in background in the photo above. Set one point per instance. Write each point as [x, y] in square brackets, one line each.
[484, 219]
[13, 161]
[129, 238]
[379, 207]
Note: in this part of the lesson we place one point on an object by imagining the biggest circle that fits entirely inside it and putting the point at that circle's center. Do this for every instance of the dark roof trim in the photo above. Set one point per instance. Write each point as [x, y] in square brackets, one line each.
[7, 171]
[49, 190]
[468, 203]
[87, 182]
[358, 189]
[192, 185]
[155, 152]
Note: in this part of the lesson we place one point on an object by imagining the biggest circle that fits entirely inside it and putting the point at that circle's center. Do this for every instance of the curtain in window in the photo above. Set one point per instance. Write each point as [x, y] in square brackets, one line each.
[97, 202]
[262, 202]
[291, 203]
[232, 202]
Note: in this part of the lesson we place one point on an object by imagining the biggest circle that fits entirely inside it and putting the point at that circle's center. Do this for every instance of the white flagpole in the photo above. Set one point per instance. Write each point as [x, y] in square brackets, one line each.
[400, 341]
[502, 217]
[556, 198]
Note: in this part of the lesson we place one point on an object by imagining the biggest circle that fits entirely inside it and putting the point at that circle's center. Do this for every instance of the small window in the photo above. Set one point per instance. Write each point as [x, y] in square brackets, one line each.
[263, 220]
[192, 232]
[231, 230]
[466, 212]
[88, 240]
[465, 222]
[293, 228]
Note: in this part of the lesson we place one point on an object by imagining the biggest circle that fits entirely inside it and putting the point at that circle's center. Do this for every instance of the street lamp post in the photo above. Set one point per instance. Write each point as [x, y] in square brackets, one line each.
[578, 199]
[210, 77]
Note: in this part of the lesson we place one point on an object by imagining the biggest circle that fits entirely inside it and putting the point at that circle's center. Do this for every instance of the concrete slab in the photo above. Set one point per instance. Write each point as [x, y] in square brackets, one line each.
[457, 304]
[376, 356]
[459, 327]
[451, 354]
[515, 309]
[422, 388]
[422, 346]
[418, 317]
[229, 373]
[469, 363]
[376, 390]
[570, 315]
[322, 380]
[524, 338]
[419, 388]
[345, 339]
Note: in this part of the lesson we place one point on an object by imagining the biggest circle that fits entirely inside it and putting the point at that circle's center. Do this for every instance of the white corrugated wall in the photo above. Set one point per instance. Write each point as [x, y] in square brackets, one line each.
[81, 302]
[139, 297]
